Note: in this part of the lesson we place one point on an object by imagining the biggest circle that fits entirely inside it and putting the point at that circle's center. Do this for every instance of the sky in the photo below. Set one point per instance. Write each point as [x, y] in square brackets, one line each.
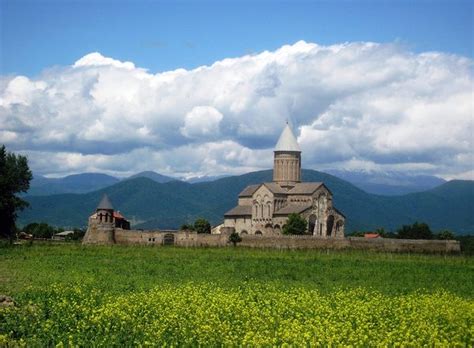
[193, 88]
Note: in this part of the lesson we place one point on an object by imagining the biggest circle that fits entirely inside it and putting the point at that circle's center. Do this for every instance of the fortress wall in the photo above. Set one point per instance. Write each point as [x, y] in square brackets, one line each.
[293, 242]
[182, 238]
[360, 243]
[138, 237]
[406, 245]
[193, 239]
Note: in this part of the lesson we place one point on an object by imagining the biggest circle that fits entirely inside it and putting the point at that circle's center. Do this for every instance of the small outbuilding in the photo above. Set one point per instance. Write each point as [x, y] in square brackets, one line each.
[62, 235]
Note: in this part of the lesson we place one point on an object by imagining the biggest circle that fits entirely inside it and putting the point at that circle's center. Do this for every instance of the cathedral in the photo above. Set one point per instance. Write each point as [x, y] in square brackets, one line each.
[263, 209]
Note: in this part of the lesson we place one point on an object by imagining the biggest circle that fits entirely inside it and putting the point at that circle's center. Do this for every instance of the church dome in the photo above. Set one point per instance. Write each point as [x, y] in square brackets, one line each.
[287, 141]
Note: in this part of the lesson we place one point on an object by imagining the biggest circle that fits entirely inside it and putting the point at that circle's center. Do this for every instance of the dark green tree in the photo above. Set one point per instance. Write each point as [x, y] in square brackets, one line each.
[202, 226]
[40, 230]
[234, 238]
[445, 235]
[415, 231]
[15, 177]
[188, 227]
[295, 225]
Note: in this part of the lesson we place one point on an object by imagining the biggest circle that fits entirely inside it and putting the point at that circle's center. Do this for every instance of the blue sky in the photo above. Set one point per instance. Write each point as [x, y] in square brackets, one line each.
[165, 35]
[120, 87]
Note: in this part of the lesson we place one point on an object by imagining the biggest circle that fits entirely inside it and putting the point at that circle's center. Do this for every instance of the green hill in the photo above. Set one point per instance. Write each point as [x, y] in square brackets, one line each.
[149, 204]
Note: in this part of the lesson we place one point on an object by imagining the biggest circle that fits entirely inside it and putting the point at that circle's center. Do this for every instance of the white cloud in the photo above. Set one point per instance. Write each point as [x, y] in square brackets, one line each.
[374, 105]
[202, 121]
[97, 59]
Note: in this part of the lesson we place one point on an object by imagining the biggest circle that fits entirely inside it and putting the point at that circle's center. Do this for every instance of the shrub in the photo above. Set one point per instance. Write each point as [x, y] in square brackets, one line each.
[295, 225]
[234, 238]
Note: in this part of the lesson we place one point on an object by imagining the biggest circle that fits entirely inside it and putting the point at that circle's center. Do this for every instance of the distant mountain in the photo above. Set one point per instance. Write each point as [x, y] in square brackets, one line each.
[388, 183]
[78, 183]
[159, 178]
[205, 178]
[149, 204]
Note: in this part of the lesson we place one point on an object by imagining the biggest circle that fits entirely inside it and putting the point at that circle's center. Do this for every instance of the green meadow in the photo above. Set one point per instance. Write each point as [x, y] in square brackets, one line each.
[125, 295]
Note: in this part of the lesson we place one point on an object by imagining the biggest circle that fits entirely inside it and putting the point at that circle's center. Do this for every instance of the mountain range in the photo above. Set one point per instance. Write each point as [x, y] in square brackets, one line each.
[149, 204]
[390, 183]
[382, 183]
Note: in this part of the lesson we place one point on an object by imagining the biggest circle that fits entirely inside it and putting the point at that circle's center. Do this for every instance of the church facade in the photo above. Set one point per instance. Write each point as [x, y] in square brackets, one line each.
[263, 209]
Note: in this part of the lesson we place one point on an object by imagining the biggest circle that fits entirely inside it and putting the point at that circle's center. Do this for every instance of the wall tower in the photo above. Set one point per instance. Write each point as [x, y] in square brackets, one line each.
[101, 228]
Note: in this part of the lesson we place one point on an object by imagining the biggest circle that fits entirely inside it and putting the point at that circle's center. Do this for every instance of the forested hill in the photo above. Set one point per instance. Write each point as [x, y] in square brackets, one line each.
[149, 204]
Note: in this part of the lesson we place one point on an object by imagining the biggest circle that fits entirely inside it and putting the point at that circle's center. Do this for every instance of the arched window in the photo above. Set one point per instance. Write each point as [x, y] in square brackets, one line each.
[258, 233]
[243, 232]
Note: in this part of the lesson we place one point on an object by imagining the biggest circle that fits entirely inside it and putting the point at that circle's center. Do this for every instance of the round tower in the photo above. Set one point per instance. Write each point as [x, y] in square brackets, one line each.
[101, 228]
[287, 160]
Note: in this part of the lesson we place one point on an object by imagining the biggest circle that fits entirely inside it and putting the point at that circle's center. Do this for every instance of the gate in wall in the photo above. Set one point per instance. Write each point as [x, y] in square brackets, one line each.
[168, 239]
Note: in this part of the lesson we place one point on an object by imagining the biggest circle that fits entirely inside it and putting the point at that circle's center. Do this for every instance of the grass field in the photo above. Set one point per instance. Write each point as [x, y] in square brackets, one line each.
[75, 295]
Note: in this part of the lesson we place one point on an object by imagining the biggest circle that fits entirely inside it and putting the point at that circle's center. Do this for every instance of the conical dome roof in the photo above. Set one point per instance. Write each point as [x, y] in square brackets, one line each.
[105, 203]
[287, 141]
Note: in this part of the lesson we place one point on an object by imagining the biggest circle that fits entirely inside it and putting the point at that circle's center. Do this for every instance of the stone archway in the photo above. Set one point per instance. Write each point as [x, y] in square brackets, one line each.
[329, 225]
[244, 232]
[168, 239]
[339, 226]
[277, 229]
[268, 229]
[258, 233]
[312, 224]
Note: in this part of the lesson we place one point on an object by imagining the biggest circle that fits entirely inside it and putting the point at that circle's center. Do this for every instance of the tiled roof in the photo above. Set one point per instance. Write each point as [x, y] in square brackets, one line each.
[305, 188]
[292, 208]
[117, 215]
[272, 186]
[240, 210]
[275, 188]
[249, 190]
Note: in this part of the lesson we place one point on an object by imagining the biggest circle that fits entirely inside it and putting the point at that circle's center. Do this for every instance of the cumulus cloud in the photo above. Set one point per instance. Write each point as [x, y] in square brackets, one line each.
[360, 105]
[202, 121]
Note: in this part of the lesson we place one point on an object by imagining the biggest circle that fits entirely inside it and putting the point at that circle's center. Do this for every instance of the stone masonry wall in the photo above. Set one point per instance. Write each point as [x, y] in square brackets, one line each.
[193, 239]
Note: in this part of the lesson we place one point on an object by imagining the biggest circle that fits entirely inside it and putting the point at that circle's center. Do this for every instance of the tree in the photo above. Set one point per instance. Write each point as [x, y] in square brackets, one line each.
[234, 238]
[415, 231]
[202, 226]
[187, 227]
[40, 230]
[295, 225]
[445, 235]
[15, 177]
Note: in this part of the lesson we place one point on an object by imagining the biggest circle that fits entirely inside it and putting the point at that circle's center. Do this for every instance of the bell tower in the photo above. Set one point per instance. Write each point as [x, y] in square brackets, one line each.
[287, 159]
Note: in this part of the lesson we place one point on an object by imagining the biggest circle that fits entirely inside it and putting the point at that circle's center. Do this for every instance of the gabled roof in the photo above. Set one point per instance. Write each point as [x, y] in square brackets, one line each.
[105, 203]
[272, 186]
[275, 188]
[240, 210]
[292, 208]
[118, 215]
[249, 190]
[287, 141]
[305, 188]
[339, 212]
